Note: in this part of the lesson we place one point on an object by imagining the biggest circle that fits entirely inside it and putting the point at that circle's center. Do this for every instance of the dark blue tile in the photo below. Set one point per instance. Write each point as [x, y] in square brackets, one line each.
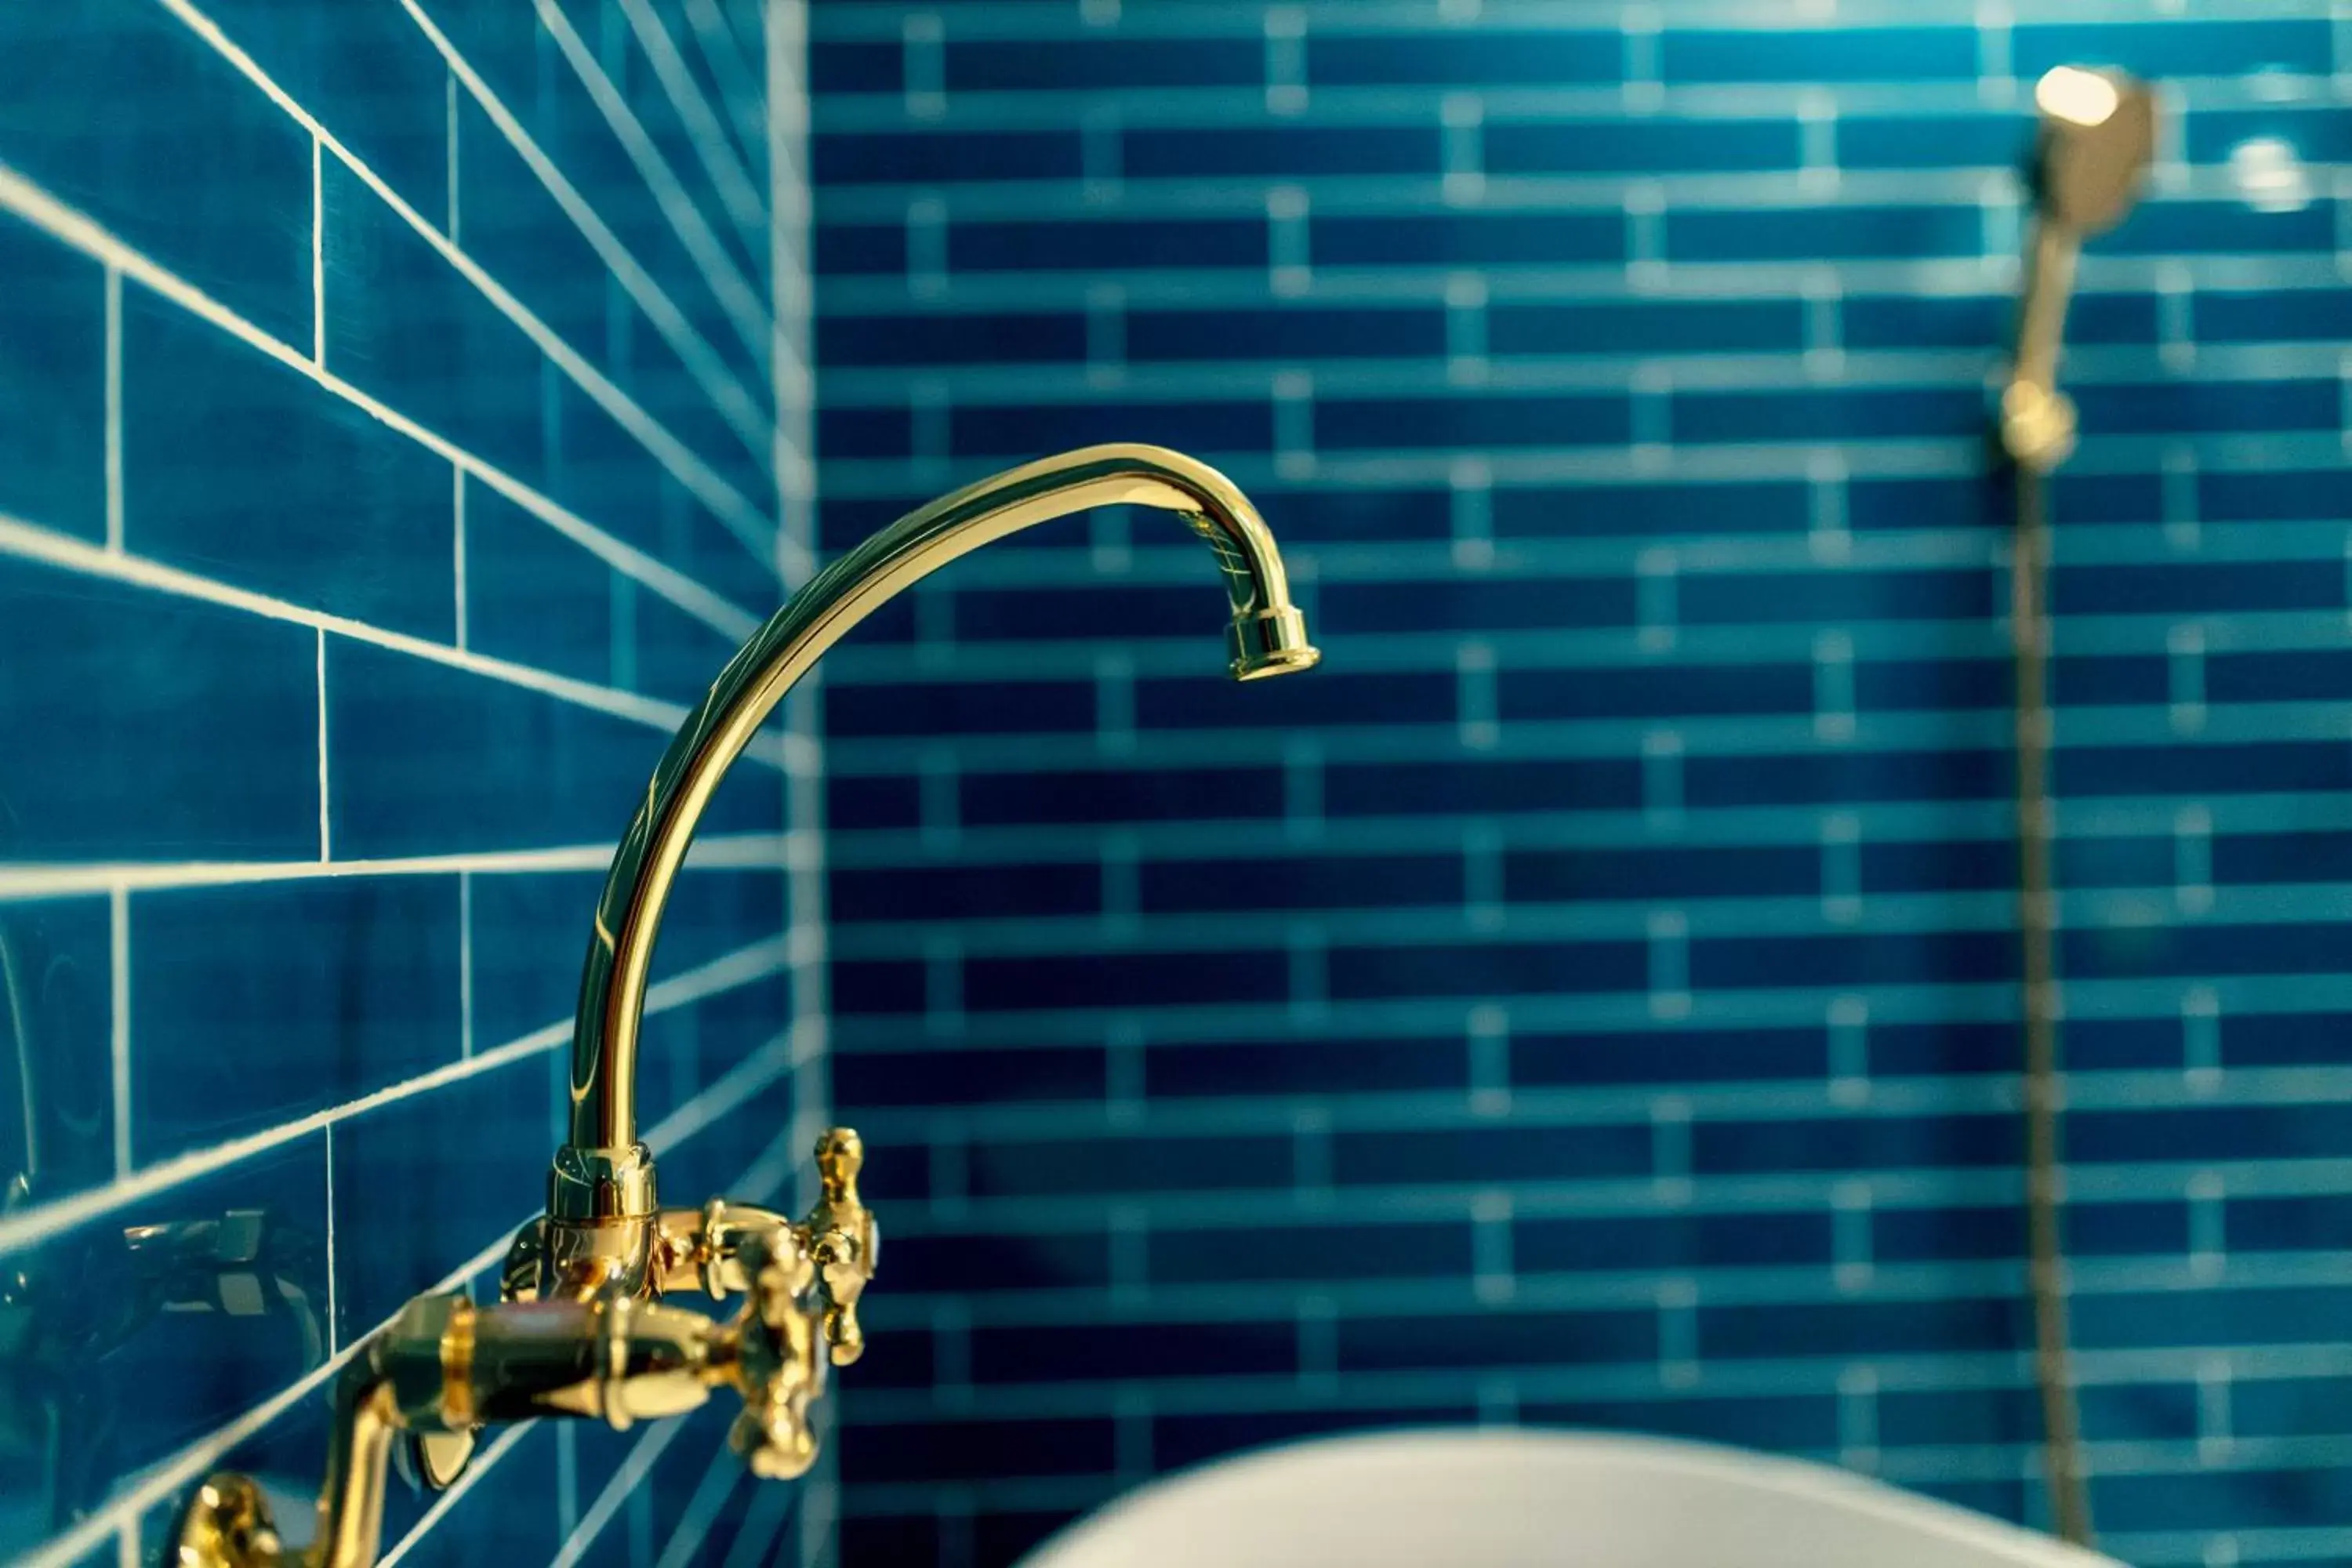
[1489, 56]
[963, 1075]
[1937, 1142]
[1473, 420]
[509, 222]
[1654, 692]
[1985, 322]
[1672, 1243]
[850, 249]
[1840, 413]
[1574, 876]
[2209, 586]
[1299, 882]
[1301, 1065]
[1490, 1155]
[1479, 785]
[52, 384]
[180, 156]
[1647, 327]
[1132, 1352]
[2314, 315]
[1779, 597]
[934, 893]
[950, 1449]
[1846, 779]
[1030, 430]
[1294, 332]
[956, 707]
[1954, 1325]
[982, 1261]
[1322, 151]
[847, 65]
[1739, 506]
[161, 768]
[1493, 969]
[1467, 239]
[1840, 233]
[2183, 407]
[2257, 767]
[1331, 698]
[1924, 958]
[1677, 1056]
[1779, 1422]
[1123, 980]
[237, 467]
[2222, 228]
[318, 993]
[2312, 136]
[1093, 1167]
[921, 157]
[1110, 795]
[1081, 245]
[993, 65]
[1500, 1337]
[1657, 146]
[1033, 337]
[1310, 1253]
[1183, 1439]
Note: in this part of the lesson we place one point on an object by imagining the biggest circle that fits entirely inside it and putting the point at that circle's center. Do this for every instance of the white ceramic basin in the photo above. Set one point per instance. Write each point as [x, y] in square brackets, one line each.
[1503, 1498]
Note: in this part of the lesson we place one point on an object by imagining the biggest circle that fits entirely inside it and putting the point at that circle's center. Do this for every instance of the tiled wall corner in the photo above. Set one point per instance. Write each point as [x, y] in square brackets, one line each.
[404, 411]
[1590, 998]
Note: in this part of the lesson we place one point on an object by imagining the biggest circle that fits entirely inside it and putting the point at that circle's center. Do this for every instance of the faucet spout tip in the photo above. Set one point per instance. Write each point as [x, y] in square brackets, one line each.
[1267, 643]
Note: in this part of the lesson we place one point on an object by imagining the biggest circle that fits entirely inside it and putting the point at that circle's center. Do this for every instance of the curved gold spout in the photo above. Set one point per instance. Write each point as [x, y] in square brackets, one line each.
[604, 1173]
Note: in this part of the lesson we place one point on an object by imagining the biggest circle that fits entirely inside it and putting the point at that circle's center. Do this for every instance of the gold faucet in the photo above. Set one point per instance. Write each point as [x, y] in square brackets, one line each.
[581, 1330]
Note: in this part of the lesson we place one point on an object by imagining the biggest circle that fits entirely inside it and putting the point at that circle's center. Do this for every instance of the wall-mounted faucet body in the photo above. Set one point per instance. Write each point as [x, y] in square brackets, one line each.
[581, 1331]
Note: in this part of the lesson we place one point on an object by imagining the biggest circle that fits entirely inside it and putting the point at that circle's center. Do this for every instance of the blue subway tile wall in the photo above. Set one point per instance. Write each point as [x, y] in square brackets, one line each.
[1592, 997]
[403, 413]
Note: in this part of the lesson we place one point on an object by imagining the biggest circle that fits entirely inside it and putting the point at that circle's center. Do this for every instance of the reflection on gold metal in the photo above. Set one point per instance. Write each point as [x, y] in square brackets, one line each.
[581, 1330]
[2098, 132]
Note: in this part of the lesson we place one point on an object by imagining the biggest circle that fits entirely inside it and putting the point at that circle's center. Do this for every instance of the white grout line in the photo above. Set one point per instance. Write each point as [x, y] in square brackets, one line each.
[326, 829]
[689, 471]
[711, 147]
[27, 880]
[728, 285]
[630, 1474]
[37, 205]
[28, 1227]
[29, 542]
[464, 965]
[318, 254]
[113, 407]
[118, 926]
[738, 84]
[452, 223]
[332, 1321]
[732, 400]
[457, 552]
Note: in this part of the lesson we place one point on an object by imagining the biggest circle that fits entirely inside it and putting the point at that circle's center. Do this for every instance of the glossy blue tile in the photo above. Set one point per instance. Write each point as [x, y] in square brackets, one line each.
[1499, 1337]
[924, 156]
[2177, 46]
[1120, 795]
[1088, 245]
[1128, 1165]
[1285, 334]
[52, 382]
[1026, 338]
[403, 324]
[1489, 56]
[359, 519]
[1819, 54]
[57, 968]
[259, 1006]
[1467, 239]
[1840, 233]
[1280, 150]
[428, 758]
[184, 159]
[158, 771]
[1479, 420]
[993, 65]
[1658, 146]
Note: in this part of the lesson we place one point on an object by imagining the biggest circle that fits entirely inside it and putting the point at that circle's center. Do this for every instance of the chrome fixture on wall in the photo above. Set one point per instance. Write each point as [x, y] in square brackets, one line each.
[2098, 135]
[581, 1331]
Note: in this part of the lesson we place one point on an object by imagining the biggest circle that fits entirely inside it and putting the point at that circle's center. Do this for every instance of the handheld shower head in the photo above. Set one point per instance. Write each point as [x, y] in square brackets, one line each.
[2098, 135]
[2097, 138]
